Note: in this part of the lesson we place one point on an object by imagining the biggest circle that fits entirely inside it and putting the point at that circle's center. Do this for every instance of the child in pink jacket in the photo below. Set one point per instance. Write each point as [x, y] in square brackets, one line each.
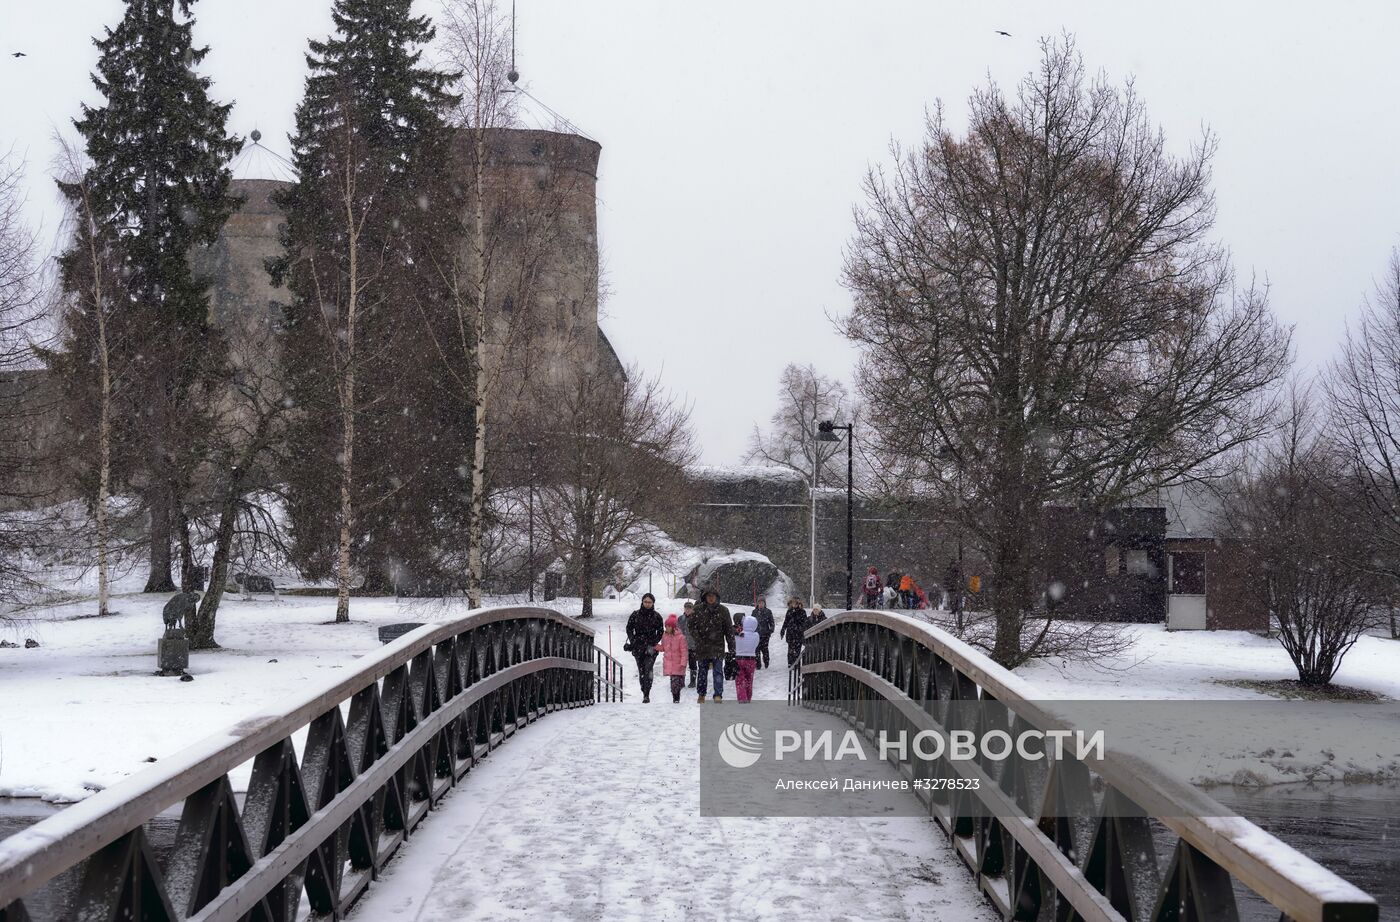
[675, 657]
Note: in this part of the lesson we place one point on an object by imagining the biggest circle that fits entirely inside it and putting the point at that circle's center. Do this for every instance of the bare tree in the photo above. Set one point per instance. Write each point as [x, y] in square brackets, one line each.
[93, 273]
[1044, 321]
[1305, 530]
[1364, 387]
[249, 427]
[805, 398]
[508, 283]
[21, 296]
[615, 464]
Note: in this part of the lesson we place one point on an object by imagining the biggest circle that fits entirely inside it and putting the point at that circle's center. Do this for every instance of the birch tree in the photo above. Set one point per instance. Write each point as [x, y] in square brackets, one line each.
[373, 209]
[515, 263]
[477, 40]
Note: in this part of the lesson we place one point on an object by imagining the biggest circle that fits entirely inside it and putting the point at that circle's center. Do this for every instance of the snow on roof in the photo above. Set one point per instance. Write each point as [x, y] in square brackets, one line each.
[718, 560]
[736, 472]
[255, 161]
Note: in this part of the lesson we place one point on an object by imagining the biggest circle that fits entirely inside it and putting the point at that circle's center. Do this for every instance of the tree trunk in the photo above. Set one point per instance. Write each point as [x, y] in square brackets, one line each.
[347, 408]
[104, 430]
[159, 579]
[187, 575]
[478, 382]
[585, 581]
[347, 505]
[1008, 557]
[202, 631]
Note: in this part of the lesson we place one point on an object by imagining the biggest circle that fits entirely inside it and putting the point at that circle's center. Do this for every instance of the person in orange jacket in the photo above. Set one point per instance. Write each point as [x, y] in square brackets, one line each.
[906, 591]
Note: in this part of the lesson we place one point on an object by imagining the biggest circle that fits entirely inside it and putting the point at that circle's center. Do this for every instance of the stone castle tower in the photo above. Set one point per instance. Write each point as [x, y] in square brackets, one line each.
[541, 191]
[540, 188]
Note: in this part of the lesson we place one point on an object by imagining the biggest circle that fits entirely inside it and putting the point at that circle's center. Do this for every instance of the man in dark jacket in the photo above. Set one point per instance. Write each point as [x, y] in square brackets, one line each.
[953, 587]
[713, 629]
[794, 626]
[644, 631]
[766, 626]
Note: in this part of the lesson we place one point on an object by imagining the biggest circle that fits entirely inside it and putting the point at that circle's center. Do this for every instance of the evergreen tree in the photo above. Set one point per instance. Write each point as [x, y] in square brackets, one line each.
[157, 187]
[376, 450]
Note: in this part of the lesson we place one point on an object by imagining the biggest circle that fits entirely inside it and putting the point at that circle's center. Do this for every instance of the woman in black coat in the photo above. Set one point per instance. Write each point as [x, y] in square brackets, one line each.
[794, 626]
[644, 631]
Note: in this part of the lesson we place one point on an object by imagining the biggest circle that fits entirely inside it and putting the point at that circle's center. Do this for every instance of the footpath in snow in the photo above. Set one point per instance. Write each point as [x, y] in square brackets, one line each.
[595, 814]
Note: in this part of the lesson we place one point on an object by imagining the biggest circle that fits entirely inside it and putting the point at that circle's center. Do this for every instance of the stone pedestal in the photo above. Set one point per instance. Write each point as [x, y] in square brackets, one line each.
[173, 652]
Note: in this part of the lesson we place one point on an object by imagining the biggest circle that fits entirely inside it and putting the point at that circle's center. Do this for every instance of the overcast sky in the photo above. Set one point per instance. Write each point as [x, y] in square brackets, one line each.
[735, 136]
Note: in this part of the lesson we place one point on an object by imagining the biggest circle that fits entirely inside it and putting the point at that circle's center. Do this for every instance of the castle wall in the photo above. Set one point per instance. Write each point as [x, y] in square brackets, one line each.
[770, 512]
[29, 414]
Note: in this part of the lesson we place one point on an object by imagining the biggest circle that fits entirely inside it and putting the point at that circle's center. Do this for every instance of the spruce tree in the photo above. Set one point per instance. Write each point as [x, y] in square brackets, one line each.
[158, 187]
[374, 475]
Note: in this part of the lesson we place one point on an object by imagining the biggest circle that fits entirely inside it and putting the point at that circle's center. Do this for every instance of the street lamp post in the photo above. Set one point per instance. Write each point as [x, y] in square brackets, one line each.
[826, 432]
[812, 559]
[530, 553]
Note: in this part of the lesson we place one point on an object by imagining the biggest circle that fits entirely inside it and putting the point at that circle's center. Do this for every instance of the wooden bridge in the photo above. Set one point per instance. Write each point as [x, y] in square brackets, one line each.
[338, 783]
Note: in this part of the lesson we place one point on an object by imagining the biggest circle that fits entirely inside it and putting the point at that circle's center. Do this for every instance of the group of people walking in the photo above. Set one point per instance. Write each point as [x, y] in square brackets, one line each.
[708, 644]
[899, 590]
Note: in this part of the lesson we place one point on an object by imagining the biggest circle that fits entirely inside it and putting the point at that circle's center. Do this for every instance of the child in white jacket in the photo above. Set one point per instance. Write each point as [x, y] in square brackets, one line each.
[746, 651]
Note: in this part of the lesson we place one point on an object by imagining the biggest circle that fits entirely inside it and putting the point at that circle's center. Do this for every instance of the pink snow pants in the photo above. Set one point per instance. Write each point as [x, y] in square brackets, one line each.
[743, 683]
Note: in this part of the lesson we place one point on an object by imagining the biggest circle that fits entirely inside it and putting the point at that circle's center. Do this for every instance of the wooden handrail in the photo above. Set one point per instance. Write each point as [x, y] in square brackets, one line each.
[1291, 881]
[33, 856]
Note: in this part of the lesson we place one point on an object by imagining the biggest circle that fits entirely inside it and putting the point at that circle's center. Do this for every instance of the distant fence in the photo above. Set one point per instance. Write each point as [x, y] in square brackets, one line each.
[881, 671]
[382, 746]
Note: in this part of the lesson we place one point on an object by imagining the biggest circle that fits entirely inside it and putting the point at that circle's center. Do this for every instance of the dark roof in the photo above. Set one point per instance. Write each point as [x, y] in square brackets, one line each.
[607, 357]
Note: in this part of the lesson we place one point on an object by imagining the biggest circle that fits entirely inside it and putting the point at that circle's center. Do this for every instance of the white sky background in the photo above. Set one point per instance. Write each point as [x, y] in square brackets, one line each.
[735, 136]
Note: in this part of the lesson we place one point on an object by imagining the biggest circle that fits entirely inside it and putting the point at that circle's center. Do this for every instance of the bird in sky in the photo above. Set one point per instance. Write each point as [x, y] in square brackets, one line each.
[1007, 34]
[19, 54]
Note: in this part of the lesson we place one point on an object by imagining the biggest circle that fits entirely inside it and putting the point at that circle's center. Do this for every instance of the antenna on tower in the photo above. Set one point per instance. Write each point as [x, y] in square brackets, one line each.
[514, 74]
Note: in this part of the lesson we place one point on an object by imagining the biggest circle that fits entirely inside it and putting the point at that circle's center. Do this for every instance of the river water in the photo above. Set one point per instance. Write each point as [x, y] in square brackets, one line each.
[1352, 829]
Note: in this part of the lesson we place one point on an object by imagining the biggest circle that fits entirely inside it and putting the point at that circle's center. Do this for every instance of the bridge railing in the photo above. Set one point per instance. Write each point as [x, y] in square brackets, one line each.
[607, 676]
[381, 747]
[883, 671]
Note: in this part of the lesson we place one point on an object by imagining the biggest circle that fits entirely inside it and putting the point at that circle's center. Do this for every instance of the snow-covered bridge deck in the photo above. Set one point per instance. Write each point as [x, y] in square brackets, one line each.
[595, 814]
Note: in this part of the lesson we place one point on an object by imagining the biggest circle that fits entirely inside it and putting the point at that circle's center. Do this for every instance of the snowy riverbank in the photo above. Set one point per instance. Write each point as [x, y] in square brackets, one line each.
[84, 710]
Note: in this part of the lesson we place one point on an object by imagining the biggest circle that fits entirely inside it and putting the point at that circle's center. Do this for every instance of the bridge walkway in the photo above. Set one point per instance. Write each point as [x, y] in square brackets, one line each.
[595, 814]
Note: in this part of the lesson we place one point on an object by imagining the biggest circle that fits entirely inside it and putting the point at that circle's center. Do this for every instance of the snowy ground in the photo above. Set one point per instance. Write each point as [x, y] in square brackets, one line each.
[1269, 742]
[84, 709]
[1191, 665]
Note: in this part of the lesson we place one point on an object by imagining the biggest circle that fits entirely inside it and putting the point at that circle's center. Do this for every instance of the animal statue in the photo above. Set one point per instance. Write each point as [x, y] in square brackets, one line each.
[181, 607]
